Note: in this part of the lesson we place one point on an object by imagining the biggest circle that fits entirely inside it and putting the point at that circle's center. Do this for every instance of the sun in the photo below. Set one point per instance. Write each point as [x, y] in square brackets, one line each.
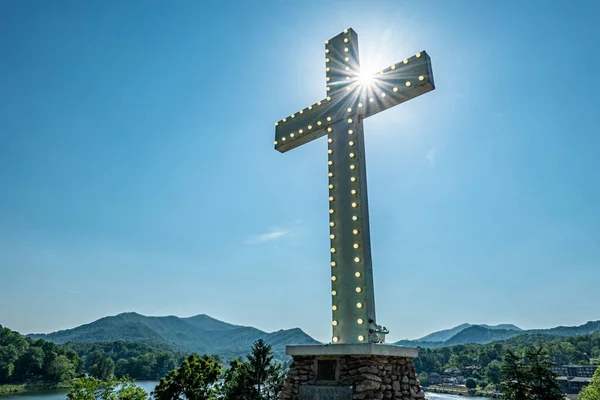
[365, 78]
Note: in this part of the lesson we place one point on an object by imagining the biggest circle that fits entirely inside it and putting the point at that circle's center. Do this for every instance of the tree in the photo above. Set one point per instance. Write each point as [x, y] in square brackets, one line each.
[543, 383]
[96, 389]
[494, 372]
[529, 378]
[61, 369]
[259, 363]
[237, 384]
[266, 377]
[195, 379]
[258, 378]
[30, 364]
[6, 371]
[592, 391]
[274, 382]
[102, 367]
[423, 378]
[470, 383]
[514, 378]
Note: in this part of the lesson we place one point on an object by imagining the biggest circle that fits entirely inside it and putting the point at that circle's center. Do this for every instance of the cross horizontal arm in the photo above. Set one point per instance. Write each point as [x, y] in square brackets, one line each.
[398, 83]
[310, 123]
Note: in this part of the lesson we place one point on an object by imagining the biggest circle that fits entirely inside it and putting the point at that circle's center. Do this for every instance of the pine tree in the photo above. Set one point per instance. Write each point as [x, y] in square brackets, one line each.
[258, 378]
[543, 383]
[259, 364]
[515, 376]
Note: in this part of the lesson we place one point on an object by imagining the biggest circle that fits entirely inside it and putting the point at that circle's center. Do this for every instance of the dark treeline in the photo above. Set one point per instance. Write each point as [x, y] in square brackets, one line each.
[26, 360]
[137, 360]
[487, 359]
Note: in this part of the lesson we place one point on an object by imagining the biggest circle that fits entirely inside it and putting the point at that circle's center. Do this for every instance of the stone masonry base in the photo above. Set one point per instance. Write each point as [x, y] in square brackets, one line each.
[369, 376]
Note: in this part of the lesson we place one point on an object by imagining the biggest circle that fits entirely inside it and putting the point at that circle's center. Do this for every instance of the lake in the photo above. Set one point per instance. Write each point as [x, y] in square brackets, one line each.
[148, 386]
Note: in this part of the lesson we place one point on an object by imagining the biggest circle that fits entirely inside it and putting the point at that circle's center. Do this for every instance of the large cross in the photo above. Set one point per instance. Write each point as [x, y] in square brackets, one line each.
[350, 99]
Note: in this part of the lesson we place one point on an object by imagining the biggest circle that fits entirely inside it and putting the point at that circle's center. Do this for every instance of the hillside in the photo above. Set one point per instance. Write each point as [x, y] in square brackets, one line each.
[201, 334]
[443, 335]
[482, 334]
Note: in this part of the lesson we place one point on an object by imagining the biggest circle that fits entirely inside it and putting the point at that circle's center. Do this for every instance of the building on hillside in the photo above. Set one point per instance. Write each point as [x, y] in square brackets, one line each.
[573, 385]
[581, 371]
[573, 378]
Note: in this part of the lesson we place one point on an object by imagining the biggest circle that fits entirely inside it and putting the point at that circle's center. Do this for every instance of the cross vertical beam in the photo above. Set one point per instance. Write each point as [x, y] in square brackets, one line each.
[353, 299]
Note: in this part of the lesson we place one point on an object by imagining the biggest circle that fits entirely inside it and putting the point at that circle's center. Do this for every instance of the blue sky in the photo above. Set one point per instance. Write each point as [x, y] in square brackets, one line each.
[137, 171]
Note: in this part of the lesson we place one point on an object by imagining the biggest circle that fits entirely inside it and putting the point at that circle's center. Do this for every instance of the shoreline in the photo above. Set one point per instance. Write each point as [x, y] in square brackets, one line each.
[32, 387]
[462, 393]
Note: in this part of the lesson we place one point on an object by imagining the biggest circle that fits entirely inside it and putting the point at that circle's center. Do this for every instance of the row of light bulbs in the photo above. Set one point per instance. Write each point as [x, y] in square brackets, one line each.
[360, 338]
[327, 60]
[354, 231]
[347, 59]
[319, 123]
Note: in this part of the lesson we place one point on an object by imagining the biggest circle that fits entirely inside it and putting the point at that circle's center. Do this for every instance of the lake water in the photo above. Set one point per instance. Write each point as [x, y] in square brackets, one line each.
[148, 386]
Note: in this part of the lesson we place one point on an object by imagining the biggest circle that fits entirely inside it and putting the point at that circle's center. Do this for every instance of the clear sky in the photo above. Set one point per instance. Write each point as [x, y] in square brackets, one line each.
[137, 170]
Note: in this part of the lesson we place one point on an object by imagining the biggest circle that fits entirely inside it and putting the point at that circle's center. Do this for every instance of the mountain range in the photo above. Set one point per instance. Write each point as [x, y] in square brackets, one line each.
[467, 333]
[206, 335]
[201, 334]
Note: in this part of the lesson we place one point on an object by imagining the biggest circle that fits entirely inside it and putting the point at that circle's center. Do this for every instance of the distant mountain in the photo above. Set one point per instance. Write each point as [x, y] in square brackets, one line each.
[585, 329]
[481, 334]
[442, 336]
[201, 334]
[467, 333]
[508, 327]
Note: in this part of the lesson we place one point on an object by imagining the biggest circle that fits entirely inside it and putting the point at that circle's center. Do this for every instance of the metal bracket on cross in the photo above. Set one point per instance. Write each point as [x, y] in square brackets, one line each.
[351, 98]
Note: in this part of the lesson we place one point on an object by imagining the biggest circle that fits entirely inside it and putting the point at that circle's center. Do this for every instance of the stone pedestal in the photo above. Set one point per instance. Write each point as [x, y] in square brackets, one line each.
[351, 371]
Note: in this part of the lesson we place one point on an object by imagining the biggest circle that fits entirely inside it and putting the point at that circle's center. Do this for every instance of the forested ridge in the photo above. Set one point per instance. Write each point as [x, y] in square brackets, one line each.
[484, 360]
[136, 360]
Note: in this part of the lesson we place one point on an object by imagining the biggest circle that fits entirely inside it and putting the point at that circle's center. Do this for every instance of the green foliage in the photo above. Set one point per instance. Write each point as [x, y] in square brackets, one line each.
[96, 389]
[543, 382]
[26, 360]
[102, 367]
[592, 391]
[529, 377]
[489, 357]
[424, 378]
[470, 383]
[237, 384]
[514, 377]
[259, 363]
[259, 378]
[137, 360]
[493, 372]
[195, 379]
